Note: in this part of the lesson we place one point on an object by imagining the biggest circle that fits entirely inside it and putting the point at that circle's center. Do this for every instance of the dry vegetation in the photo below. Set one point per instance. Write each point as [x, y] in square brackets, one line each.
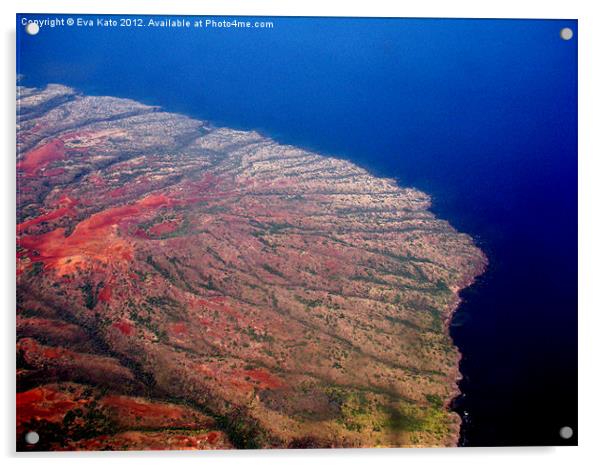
[186, 286]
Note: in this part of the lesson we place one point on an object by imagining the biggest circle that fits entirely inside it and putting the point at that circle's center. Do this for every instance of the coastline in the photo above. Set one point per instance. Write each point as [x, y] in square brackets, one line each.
[470, 278]
[411, 249]
[456, 392]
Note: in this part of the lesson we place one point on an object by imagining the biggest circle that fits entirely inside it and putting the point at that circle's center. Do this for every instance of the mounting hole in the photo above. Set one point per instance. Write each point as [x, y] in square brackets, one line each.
[566, 33]
[32, 28]
[566, 432]
[32, 437]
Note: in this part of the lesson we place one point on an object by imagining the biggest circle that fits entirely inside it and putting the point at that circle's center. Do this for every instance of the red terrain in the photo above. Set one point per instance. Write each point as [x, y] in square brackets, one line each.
[184, 286]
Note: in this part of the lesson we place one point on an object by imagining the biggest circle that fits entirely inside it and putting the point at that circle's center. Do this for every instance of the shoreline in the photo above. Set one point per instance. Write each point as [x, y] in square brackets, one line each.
[352, 192]
[458, 376]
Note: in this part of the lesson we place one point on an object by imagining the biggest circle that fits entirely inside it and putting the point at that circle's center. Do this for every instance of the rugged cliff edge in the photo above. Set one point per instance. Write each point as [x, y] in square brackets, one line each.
[186, 286]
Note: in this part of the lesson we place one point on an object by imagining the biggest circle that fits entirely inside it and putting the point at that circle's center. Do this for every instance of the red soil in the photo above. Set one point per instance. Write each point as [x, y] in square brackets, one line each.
[140, 233]
[137, 413]
[165, 227]
[178, 329]
[124, 327]
[52, 215]
[40, 157]
[265, 379]
[118, 192]
[51, 403]
[105, 294]
[44, 403]
[93, 239]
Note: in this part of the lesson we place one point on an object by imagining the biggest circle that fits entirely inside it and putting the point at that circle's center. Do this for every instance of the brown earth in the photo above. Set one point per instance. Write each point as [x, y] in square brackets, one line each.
[186, 286]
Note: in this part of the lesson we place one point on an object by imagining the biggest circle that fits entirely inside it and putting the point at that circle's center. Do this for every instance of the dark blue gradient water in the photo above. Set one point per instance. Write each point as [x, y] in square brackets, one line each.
[481, 114]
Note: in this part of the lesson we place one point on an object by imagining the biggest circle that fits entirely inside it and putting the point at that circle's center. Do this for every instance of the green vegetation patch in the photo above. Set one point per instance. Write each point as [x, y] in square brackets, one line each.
[407, 417]
[355, 407]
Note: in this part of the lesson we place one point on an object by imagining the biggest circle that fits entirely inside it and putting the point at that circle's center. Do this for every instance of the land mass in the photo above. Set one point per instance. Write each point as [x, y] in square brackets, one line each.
[181, 285]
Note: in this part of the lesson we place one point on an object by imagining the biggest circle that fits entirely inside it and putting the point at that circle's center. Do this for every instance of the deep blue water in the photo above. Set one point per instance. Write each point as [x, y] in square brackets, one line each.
[481, 114]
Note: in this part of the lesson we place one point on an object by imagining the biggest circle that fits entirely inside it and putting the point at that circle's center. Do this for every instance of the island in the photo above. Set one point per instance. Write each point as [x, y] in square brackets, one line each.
[187, 286]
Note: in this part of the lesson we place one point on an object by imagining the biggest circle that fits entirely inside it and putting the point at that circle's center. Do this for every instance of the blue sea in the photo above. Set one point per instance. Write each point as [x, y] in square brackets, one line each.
[480, 114]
